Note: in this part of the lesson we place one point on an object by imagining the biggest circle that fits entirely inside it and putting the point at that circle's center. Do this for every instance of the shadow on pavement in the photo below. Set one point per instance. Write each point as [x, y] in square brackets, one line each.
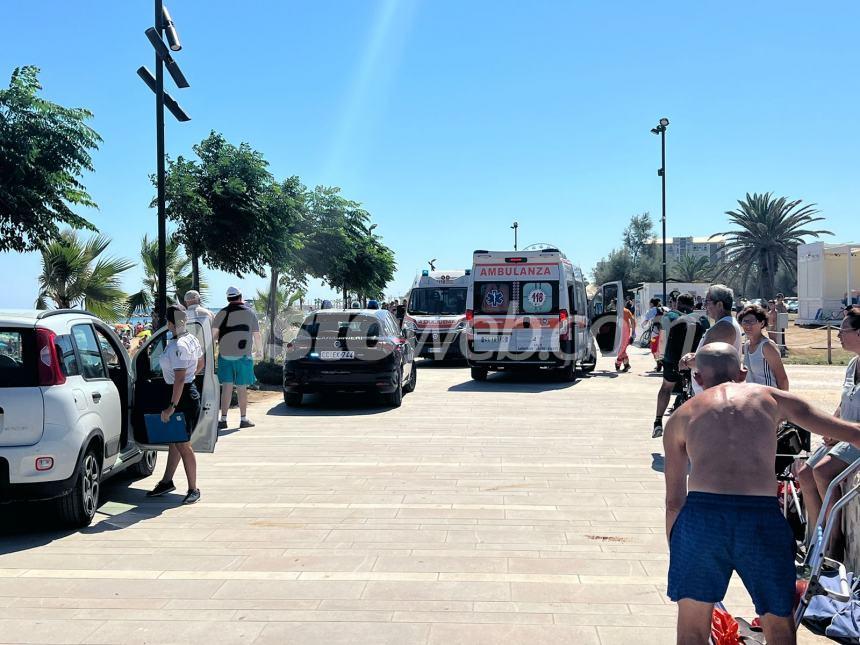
[428, 363]
[28, 525]
[658, 463]
[334, 405]
[600, 374]
[515, 382]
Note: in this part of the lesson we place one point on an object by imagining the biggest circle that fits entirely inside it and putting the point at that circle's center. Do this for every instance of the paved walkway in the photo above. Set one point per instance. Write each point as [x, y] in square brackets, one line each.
[509, 511]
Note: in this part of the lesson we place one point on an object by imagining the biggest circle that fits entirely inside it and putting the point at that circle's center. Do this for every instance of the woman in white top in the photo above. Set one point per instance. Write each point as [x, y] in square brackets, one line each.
[761, 355]
[180, 361]
[833, 457]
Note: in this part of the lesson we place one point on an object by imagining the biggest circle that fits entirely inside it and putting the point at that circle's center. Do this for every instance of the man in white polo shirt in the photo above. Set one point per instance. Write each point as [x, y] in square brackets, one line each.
[719, 305]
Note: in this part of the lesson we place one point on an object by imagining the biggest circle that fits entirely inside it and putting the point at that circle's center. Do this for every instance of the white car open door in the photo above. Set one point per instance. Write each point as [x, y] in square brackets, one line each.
[151, 393]
[607, 318]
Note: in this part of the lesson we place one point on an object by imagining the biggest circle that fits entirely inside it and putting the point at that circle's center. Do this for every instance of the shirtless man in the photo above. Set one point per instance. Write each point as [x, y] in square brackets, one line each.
[725, 516]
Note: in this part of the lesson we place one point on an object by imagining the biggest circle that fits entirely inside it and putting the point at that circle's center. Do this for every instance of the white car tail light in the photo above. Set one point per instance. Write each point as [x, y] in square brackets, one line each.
[50, 372]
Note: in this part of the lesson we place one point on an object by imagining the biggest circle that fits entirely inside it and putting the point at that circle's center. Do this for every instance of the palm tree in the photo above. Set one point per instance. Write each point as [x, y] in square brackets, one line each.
[283, 300]
[692, 269]
[768, 233]
[272, 309]
[73, 275]
[179, 275]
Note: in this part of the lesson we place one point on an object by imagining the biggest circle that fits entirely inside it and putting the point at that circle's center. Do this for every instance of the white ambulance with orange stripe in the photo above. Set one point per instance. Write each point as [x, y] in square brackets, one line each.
[529, 310]
[436, 313]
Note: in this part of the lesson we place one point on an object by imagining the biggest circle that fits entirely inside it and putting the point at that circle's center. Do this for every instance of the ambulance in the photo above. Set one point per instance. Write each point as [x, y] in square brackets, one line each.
[529, 310]
[436, 313]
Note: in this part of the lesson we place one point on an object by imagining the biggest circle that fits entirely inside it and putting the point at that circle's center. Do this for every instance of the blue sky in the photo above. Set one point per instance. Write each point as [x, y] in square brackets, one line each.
[449, 120]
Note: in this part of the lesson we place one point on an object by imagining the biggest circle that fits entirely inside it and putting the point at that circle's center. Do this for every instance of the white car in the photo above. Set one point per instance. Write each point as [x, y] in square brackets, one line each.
[72, 406]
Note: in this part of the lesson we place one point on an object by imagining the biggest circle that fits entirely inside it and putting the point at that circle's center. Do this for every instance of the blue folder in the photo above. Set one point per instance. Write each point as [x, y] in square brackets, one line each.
[171, 432]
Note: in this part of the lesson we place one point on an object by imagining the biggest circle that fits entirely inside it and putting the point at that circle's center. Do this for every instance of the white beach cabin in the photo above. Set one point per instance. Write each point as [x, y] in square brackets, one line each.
[828, 277]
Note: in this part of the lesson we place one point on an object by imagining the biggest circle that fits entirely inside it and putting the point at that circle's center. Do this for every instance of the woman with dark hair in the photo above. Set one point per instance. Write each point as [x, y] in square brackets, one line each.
[833, 457]
[180, 361]
[761, 355]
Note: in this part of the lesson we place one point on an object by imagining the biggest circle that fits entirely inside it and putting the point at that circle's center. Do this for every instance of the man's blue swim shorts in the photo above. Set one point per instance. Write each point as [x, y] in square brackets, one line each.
[717, 534]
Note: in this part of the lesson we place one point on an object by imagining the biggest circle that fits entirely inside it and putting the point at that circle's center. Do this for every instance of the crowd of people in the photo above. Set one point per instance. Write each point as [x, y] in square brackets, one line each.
[676, 330]
[719, 442]
[720, 449]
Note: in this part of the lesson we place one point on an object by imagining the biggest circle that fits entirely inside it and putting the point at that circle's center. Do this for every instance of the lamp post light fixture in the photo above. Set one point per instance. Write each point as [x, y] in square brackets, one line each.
[163, 27]
[432, 264]
[661, 130]
[170, 30]
[515, 226]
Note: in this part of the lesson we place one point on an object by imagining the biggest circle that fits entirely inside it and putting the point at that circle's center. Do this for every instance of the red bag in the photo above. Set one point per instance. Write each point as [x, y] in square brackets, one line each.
[724, 628]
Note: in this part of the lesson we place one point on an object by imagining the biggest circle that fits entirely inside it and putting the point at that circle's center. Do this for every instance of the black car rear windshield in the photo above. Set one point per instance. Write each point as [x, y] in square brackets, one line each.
[343, 326]
[438, 301]
[18, 358]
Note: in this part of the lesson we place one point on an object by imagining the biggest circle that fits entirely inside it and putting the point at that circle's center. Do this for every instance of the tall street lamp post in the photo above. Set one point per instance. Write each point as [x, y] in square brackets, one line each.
[163, 26]
[661, 130]
[515, 226]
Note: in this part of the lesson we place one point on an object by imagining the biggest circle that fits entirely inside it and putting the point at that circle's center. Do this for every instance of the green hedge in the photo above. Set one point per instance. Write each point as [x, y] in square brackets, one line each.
[269, 372]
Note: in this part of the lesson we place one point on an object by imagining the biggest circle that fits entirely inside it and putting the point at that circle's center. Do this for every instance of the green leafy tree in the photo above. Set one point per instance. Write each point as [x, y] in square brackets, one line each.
[237, 234]
[295, 281]
[44, 151]
[372, 268]
[337, 229]
[75, 274]
[692, 269]
[637, 235]
[765, 239]
[186, 205]
[634, 262]
[617, 266]
[285, 210]
[179, 278]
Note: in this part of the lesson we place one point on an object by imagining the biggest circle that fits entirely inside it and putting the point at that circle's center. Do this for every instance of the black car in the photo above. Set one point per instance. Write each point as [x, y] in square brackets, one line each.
[351, 350]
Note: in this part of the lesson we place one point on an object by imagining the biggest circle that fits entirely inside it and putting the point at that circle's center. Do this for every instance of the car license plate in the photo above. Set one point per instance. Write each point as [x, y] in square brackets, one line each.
[336, 356]
[436, 349]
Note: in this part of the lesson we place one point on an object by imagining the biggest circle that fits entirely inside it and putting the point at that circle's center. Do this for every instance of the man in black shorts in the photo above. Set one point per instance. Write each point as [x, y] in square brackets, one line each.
[685, 330]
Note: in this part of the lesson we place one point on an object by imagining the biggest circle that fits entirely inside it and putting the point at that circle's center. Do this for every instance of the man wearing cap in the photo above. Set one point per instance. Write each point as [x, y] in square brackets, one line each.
[194, 309]
[238, 334]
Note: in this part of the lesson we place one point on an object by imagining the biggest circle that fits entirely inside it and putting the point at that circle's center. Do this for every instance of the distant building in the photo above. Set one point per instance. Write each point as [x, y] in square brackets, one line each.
[697, 247]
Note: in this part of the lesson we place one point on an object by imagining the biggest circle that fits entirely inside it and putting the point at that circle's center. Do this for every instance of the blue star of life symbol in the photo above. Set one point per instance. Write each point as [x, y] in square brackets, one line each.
[494, 298]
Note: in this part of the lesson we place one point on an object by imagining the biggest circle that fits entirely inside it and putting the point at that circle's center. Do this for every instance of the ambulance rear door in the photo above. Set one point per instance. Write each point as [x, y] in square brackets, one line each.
[607, 318]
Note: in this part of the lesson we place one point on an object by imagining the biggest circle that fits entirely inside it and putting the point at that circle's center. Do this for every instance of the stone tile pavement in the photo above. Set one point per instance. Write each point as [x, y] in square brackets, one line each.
[512, 511]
